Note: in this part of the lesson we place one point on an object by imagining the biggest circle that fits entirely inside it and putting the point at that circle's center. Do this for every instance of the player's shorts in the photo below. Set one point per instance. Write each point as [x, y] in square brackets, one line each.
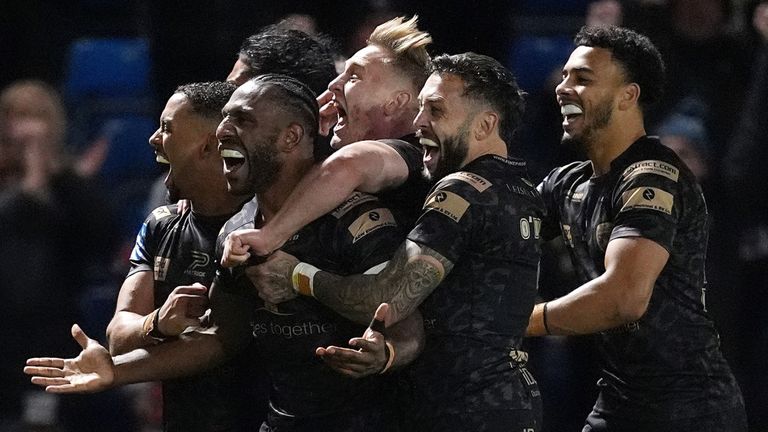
[733, 420]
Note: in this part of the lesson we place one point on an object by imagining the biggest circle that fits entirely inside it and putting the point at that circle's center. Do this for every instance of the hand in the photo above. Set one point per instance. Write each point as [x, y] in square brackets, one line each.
[328, 112]
[272, 279]
[183, 308]
[760, 20]
[604, 12]
[91, 371]
[370, 357]
[236, 248]
[182, 206]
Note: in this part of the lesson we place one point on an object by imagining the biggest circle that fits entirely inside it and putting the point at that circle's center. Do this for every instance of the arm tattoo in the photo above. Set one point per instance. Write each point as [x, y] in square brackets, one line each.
[411, 275]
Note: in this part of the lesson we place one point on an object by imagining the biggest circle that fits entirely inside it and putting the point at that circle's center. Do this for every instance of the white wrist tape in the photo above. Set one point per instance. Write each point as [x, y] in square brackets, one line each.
[303, 279]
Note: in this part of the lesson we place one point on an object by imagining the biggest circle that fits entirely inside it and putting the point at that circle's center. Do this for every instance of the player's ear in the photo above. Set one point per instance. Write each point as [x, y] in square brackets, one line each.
[290, 137]
[630, 96]
[486, 123]
[397, 103]
[210, 146]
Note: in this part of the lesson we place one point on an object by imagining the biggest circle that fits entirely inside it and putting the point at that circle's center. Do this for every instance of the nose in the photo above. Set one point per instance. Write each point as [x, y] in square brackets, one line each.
[154, 139]
[421, 120]
[563, 88]
[336, 86]
[224, 129]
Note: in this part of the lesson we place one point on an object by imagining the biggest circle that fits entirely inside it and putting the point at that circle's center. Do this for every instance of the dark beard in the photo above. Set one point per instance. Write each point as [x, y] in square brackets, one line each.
[453, 151]
[602, 116]
[263, 165]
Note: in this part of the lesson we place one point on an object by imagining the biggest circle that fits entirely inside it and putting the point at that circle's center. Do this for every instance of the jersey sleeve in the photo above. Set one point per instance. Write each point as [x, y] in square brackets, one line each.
[550, 224]
[366, 235]
[449, 213]
[144, 250]
[412, 156]
[648, 202]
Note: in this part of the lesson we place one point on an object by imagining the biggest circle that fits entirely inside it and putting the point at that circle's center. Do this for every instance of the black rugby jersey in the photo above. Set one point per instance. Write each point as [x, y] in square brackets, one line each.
[179, 250]
[405, 200]
[485, 219]
[306, 394]
[667, 365]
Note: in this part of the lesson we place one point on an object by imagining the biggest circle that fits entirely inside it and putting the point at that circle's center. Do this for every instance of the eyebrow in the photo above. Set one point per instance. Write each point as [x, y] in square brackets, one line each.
[581, 69]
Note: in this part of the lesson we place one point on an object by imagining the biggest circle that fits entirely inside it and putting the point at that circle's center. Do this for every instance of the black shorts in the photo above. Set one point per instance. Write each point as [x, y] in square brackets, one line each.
[733, 420]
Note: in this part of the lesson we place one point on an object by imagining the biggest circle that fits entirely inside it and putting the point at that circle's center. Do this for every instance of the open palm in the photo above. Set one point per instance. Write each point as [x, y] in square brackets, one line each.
[91, 371]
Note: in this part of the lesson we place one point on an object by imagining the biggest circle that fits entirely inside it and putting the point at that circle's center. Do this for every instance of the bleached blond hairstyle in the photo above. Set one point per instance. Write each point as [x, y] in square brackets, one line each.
[408, 46]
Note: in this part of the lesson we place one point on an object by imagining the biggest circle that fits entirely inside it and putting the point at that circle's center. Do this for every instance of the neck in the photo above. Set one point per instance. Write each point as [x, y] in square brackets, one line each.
[492, 146]
[272, 199]
[213, 199]
[612, 142]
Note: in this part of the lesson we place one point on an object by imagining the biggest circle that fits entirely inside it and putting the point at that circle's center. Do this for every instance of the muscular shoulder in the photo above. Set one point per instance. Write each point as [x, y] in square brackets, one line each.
[162, 217]
[361, 214]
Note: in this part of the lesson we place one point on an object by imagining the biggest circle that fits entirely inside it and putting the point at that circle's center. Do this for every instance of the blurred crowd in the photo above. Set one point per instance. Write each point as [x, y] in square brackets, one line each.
[65, 237]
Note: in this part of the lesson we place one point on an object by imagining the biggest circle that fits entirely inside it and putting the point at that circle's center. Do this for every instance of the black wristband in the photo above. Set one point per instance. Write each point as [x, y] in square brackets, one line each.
[544, 316]
[154, 331]
[377, 325]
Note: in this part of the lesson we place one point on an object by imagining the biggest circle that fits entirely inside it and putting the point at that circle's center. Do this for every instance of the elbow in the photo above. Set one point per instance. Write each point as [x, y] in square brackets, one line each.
[631, 309]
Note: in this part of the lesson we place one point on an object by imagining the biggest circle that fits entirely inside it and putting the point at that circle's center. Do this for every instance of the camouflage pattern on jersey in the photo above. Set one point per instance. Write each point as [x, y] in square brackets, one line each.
[356, 236]
[179, 250]
[485, 219]
[667, 365]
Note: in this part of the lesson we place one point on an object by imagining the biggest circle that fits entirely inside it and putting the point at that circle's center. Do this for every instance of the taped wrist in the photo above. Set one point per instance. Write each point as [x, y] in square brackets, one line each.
[303, 279]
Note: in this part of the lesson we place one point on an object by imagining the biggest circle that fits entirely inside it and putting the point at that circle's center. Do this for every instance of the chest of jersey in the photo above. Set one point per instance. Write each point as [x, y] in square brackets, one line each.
[586, 221]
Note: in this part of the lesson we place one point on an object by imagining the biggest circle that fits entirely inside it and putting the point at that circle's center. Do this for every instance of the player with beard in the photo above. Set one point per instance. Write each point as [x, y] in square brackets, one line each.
[373, 99]
[173, 262]
[266, 140]
[470, 263]
[635, 223]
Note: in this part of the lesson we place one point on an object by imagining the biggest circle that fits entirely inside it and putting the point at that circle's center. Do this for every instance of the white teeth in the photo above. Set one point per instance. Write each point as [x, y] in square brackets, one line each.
[161, 159]
[427, 142]
[226, 153]
[570, 109]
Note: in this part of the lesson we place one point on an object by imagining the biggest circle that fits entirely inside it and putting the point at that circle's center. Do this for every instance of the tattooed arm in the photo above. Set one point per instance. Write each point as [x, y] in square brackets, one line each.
[411, 275]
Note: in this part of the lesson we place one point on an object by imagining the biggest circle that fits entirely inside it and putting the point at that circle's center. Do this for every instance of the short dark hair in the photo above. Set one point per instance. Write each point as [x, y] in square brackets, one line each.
[290, 52]
[639, 58]
[487, 81]
[207, 98]
[294, 97]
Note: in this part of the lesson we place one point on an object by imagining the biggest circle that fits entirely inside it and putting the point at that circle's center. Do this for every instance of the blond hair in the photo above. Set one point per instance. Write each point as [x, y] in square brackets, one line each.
[408, 46]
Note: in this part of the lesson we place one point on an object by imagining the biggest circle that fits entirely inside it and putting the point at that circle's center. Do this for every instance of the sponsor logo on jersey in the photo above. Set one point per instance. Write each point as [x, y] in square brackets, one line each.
[474, 180]
[161, 212]
[371, 221]
[656, 167]
[353, 200]
[650, 198]
[447, 203]
[626, 328]
[530, 226]
[567, 236]
[603, 234]
[200, 260]
[161, 267]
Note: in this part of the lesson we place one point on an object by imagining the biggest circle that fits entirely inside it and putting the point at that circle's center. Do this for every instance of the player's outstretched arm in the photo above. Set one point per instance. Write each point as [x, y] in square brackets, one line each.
[91, 371]
[365, 166]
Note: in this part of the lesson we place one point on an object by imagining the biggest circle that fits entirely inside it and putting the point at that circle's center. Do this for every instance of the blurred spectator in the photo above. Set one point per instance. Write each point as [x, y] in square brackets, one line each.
[747, 197]
[687, 136]
[54, 244]
[706, 66]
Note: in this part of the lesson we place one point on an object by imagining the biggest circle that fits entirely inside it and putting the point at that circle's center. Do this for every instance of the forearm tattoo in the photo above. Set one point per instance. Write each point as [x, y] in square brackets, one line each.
[407, 280]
